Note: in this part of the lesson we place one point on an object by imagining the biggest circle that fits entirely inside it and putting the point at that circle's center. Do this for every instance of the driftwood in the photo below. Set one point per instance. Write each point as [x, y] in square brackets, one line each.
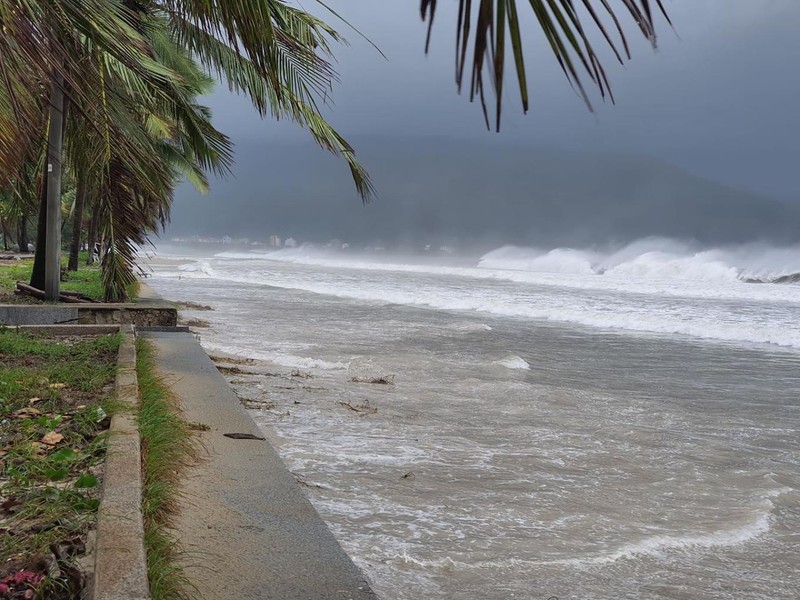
[65, 296]
[364, 407]
[385, 380]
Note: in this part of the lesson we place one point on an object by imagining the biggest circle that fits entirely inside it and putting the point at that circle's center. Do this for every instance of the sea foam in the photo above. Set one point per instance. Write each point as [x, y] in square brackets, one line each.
[514, 362]
[655, 258]
[278, 358]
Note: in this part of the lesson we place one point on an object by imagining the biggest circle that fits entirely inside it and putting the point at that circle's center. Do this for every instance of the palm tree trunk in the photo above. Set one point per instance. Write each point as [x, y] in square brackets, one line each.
[22, 235]
[91, 241]
[77, 224]
[43, 235]
[37, 274]
[55, 146]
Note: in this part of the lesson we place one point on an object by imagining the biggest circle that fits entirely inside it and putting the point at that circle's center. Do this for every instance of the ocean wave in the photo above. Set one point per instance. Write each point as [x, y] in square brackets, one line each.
[661, 544]
[647, 266]
[278, 358]
[253, 254]
[654, 546]
[628, 317]
[656, 259]
[197, 267]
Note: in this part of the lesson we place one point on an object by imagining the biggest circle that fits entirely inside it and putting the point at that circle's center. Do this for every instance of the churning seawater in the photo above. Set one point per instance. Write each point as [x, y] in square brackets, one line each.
[550, 430]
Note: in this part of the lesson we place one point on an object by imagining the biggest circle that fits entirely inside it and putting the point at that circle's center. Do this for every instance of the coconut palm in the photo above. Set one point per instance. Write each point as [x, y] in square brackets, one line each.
[263, 48]
[130, 144]
[274, 53]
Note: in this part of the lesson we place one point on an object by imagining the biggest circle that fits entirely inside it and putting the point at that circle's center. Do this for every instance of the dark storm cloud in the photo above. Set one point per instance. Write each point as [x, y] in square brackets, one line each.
[720, 98]
[723, 98]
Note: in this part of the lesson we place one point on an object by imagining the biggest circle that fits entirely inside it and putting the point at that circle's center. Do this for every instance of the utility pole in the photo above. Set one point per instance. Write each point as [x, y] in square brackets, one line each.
[52, 277]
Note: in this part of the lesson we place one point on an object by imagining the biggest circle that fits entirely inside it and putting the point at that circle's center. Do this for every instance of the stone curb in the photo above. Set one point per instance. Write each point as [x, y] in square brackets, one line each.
[120, 563]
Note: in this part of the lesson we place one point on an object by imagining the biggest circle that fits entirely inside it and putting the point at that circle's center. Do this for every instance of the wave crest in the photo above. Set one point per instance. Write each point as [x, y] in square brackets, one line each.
[657, 259]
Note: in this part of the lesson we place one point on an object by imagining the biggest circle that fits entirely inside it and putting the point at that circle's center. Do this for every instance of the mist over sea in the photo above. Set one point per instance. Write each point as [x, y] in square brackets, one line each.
[578, 423]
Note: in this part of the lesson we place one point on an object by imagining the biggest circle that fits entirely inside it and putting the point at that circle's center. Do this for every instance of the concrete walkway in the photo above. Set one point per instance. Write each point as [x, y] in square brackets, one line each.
[246, 527]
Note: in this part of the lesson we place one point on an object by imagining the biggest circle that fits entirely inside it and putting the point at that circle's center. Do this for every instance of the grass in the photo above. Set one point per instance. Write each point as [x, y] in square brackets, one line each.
[55, 398]
[87, 280]
[167, 445]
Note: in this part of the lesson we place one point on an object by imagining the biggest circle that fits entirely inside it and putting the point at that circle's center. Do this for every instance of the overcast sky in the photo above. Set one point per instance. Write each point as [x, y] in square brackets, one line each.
[720, 97]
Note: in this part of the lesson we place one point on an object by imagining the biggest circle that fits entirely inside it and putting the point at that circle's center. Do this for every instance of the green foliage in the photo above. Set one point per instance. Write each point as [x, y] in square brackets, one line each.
[13, 272]
[87, 280]
[134, 71]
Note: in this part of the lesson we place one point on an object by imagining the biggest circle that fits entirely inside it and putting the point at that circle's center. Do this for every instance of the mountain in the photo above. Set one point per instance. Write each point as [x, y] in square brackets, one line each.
[475, 194]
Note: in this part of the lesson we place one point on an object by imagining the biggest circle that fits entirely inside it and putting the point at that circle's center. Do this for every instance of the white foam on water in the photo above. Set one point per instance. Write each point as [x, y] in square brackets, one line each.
[656, 546]
[514, 362]
[443, 565]
[200, 266]
[662, 544]
[655, 259]
[651, 266]
[469, 327]
[650, 286]
[278, 358]
[628, 317]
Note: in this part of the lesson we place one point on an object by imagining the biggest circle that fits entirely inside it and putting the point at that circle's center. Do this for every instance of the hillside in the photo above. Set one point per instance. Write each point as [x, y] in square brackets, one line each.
[440, 191]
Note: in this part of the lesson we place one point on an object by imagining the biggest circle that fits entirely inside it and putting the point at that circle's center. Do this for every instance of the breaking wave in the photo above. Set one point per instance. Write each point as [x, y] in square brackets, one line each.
[650, 260]
[277, 358]
[199, 267]
[657, 259]
[652, 286]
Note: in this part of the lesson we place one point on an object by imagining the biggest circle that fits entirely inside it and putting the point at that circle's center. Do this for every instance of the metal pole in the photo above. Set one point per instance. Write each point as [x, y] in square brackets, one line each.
[52, 276]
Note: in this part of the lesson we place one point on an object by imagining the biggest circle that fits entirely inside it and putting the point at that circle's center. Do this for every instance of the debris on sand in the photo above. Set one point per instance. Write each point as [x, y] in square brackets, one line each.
[257, 404]
[385, 380]
[192, 305]
[198, 323]
[243, 436]
[301, 479]
[231, 360]
[362, 408]
[234, 371]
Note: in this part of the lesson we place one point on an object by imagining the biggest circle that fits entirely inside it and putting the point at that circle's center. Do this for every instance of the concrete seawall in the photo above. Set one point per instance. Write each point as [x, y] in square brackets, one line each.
[246, 527]
[244, 524]
[149, 310]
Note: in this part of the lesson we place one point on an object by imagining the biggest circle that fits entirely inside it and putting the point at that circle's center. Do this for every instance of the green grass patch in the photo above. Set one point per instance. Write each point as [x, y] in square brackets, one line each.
[87, 280]
[56, 396]
[167, 446]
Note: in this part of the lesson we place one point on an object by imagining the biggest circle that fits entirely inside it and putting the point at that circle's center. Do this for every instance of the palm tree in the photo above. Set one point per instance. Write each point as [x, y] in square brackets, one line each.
[261, 47]
[275, 54]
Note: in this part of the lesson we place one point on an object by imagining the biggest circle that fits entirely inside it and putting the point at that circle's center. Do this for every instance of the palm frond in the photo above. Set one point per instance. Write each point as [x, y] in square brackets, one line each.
[497, 22]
